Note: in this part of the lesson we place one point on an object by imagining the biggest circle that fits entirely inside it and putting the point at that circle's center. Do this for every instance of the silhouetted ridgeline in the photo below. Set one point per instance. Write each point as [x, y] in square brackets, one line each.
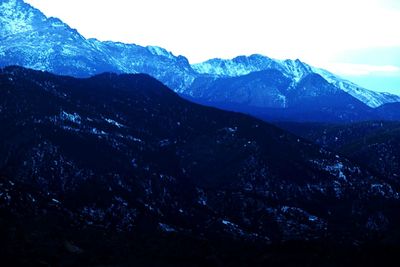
[116, 168]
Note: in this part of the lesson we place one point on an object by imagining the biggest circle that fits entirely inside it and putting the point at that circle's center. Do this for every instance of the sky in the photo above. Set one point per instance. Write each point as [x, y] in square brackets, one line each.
[356, 39]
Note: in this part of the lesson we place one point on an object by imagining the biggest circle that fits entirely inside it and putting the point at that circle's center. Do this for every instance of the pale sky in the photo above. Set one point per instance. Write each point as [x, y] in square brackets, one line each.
[358, 39]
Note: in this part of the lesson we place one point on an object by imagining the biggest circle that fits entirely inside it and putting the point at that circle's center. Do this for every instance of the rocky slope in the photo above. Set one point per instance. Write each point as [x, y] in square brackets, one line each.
[272, 96]
[123, 152]
[294, 70]
[375, 145]
[30, 39]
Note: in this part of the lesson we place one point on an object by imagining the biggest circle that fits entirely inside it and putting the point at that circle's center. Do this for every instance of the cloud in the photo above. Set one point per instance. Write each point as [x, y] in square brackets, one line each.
[350, 69]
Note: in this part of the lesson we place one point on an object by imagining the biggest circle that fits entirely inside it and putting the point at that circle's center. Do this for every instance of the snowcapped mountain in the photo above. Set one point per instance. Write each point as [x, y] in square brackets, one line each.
[369, 97]
[238, 66]
[32, 40]
[273, 96]
[243, 65]
[294, 69]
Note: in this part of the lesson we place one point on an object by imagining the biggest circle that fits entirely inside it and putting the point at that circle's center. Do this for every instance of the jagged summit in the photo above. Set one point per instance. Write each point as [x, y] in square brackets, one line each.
[32, 40]
[295, 69]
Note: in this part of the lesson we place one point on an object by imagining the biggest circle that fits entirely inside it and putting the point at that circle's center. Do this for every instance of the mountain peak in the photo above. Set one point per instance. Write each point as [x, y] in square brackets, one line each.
[17, 17]
[253, 57]
[32, 40]
[11, 8]
[10, 3]
[240, 65]
[159, 51]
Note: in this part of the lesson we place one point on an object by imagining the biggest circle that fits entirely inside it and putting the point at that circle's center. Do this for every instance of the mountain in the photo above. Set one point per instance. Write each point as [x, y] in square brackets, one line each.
[273, 96]
[288, 90]
[371, 98]
[390, 111]
[243, 65]
[293, 69]
[123, 153]
[259, 89]
[30, 39]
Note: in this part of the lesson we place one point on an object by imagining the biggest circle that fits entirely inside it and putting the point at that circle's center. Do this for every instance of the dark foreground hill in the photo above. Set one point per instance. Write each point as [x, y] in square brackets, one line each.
[374, 144]
[117, 168]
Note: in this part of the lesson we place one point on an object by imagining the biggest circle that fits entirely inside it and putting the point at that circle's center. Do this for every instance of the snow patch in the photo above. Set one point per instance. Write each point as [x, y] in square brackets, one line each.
[337, 170]
[159, 51]
[166, 228]
[113, 122]
[75, 118]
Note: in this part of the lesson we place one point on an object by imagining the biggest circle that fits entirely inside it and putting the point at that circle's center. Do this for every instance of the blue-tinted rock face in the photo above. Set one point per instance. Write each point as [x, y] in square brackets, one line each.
[30, 39]
[293, 69]
[267, 88]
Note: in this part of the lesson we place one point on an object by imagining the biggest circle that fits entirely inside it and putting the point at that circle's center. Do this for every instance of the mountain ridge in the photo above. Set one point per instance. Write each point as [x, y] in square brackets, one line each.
[181, 167]
[63, 50]
[296, 69]
[49, 44]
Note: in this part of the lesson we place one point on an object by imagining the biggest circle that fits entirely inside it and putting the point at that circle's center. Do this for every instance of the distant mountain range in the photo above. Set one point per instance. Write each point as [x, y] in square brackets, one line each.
[267, 88]
[294, 70]
[102, 164]
[32, 40]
